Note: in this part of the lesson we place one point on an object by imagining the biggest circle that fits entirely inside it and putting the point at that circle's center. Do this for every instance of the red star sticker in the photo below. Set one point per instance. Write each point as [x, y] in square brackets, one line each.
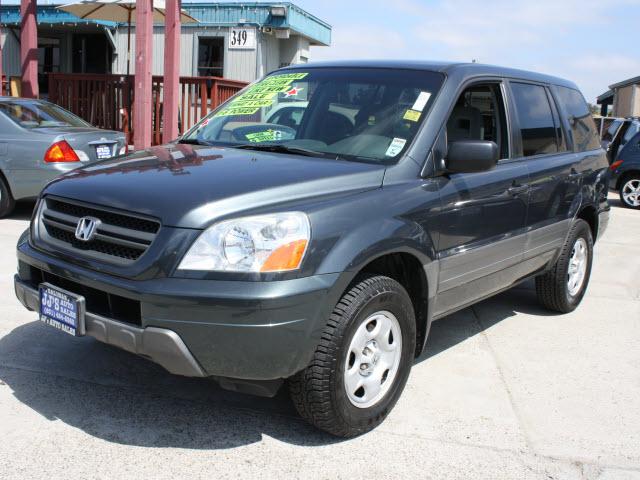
[293, 92]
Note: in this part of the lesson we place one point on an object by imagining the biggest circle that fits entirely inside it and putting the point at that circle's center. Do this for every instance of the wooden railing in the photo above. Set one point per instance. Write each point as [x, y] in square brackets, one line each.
[104, 100]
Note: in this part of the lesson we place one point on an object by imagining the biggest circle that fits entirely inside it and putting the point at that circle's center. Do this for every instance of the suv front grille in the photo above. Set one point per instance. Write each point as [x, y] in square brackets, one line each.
[120, 237]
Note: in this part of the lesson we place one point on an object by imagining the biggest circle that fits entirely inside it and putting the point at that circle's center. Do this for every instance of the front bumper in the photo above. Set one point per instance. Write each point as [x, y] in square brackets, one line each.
[158, 344]
[230, 329]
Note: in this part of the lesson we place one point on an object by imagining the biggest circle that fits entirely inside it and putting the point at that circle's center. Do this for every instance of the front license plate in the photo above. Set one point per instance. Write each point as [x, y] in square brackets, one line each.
[103, 152]
[62, 310]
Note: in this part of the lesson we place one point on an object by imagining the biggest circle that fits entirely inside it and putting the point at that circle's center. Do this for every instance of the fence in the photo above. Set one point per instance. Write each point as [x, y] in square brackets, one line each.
[104, 99]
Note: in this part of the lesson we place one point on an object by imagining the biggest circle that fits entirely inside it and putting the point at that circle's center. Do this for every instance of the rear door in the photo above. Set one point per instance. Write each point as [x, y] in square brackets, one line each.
[482, 223]
[554, 175]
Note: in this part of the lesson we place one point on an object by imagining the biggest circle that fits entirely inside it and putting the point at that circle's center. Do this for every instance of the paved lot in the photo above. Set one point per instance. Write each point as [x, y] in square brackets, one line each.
[506, 390]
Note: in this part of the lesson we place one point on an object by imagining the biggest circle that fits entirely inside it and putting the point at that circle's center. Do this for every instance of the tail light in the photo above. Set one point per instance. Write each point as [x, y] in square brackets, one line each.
[60, 152]
[615, 165]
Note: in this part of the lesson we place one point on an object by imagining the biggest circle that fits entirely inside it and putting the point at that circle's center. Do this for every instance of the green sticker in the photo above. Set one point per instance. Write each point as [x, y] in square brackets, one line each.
[256, 96]
[242, 102]
[237, 111]
[266, 136]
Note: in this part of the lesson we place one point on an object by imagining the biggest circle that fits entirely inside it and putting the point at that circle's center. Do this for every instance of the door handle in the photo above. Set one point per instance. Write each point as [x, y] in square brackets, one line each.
[516, 190]
[574, 174]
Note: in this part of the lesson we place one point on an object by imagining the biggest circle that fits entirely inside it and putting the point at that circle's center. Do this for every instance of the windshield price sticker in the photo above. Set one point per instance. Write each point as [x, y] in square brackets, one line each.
[266, 136]
[237, 111]
[421, 101]
[412, 115]
[396, 146]
[263, 94]
[252, 103]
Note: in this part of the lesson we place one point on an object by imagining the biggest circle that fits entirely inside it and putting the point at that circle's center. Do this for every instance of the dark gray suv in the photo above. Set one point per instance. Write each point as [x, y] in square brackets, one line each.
[318, 246]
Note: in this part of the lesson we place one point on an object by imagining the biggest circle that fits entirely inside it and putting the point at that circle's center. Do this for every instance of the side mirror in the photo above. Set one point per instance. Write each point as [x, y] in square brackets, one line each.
[468, 156]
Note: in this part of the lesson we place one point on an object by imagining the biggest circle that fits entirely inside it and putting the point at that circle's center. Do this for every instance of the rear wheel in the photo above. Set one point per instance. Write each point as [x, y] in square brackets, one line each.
[7, 203]
[362, 363]
[630, 191]
[562, 288]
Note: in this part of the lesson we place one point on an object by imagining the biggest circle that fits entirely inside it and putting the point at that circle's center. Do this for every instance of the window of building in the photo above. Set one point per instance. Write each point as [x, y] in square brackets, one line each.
[583, 128]
[211, 56]
[479, 115]
[537, 128]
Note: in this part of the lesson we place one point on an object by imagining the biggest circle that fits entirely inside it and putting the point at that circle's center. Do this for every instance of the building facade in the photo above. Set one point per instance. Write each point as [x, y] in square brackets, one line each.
[231, 40]
[623, 97]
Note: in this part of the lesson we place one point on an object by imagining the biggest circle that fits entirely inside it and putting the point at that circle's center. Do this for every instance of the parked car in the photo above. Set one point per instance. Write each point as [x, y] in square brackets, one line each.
[614, 135]
[258, 253]
[39, 141]
[625, 171]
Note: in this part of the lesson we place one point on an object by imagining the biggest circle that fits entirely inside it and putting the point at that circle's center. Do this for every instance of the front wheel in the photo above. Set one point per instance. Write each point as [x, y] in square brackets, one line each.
[630, 191]
[562, 288]
[362, 363]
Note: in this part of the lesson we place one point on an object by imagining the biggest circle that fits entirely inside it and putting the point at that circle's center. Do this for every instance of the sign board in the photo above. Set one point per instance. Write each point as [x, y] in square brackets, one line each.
[242, 38]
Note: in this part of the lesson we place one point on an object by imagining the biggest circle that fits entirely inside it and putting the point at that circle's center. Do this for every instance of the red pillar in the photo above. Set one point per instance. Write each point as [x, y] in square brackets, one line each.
[143, 95]
[29, 48]
[1, 85]
[171, 84]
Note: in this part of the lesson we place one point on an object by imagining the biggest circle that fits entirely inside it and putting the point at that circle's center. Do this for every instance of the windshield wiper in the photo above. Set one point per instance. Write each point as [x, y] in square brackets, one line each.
[279, 148]
[193, 141]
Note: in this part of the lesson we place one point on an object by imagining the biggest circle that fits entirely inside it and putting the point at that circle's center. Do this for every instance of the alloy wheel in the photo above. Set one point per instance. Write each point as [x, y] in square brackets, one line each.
[631, 192]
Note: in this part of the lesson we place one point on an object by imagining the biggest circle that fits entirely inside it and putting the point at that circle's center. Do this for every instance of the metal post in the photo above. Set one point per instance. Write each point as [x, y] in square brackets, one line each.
[171, 85]
[142, 118]
[29, 48]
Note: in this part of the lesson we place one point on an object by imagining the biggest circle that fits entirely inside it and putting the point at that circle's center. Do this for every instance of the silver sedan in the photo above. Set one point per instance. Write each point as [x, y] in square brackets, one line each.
[39, 141]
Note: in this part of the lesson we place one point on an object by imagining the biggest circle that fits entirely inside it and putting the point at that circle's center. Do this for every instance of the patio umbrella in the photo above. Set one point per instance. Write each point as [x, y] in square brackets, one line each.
[119, 11]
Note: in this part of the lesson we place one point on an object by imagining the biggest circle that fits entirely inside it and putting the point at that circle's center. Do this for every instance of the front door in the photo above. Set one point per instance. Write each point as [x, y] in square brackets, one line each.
[482, 224]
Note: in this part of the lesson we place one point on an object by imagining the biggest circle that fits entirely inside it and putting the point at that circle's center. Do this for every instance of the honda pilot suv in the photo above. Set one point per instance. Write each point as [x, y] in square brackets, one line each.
[316, 248]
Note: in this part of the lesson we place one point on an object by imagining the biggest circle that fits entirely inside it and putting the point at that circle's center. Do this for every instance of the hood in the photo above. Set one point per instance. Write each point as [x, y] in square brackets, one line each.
[191, 186]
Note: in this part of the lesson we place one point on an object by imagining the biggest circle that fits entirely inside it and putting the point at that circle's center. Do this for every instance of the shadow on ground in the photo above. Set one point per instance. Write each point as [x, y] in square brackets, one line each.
[118, 397]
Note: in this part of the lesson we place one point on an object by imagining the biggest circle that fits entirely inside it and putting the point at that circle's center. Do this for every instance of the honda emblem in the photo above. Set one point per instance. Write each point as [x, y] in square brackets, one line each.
[86, 228]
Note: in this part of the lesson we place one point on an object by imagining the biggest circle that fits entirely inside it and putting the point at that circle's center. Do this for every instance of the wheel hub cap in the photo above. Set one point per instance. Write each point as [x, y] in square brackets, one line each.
[577, 266]
[373, 359]
[631, 193]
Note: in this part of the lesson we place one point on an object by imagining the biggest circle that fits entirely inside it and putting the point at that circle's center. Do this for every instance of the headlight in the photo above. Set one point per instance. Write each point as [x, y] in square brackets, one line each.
[263, 243]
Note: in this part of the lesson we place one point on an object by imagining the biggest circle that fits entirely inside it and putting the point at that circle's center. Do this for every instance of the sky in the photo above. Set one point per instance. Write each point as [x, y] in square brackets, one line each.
[591, 42]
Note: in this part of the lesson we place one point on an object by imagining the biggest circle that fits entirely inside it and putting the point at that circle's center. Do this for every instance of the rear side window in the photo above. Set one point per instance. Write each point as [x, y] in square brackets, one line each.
[583, 128]
[537, 128]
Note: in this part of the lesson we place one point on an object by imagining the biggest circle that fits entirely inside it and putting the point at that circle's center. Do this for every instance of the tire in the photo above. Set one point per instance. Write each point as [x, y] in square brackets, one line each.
[7, 203]
[320, 392]
[629, 191]
[556, 289]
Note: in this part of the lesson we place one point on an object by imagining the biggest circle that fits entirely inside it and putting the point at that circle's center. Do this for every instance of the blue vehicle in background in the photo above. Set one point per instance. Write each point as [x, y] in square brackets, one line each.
[625, 169]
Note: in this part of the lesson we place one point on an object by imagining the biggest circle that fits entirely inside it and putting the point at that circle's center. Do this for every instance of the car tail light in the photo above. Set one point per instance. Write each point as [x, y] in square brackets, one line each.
[60, 152]
[615, 164]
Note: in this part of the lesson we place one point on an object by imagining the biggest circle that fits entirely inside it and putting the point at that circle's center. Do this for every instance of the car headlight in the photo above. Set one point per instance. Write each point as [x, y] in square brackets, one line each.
[263, 243]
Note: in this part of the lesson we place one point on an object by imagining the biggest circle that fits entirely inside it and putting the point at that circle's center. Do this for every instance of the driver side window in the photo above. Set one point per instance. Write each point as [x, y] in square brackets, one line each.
[479, 114]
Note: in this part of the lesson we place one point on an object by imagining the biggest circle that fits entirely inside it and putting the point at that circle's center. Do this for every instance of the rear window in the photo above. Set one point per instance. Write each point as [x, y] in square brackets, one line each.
[40, 115]
[535, 118]
[583, 128]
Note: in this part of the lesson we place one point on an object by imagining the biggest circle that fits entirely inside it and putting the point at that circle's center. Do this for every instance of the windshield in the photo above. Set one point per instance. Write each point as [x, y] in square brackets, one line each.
[361, 114]
[40, 115]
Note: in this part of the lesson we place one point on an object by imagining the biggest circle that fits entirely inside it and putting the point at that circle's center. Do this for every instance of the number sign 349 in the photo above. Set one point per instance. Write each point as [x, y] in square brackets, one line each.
[242, 38]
